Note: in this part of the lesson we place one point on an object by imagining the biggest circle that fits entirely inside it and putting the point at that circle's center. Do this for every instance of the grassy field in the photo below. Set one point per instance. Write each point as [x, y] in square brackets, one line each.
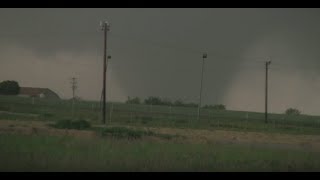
[48, 153]
[12, 107]
[173, 141]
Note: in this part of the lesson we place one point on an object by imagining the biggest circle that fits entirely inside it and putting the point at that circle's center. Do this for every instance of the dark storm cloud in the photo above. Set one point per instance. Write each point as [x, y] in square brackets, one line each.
[158, 51]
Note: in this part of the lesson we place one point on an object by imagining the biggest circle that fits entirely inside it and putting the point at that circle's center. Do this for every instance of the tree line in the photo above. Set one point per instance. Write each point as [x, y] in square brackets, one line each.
[12, 88]
[152, 100]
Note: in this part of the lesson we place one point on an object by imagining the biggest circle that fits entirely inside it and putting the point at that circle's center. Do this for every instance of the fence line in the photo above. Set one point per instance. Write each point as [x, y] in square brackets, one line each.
[146, 113]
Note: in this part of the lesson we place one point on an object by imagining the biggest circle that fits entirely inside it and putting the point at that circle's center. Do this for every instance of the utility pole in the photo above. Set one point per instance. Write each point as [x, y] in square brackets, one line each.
[74, 87]
[101, 97]
[105, 27]
[266, 92]
[199, 106]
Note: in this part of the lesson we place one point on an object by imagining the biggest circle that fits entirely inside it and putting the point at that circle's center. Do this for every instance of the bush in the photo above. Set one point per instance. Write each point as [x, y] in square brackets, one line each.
[292, 111]
[123, 132]
[152, 100]
[69, 124]
[80, 124]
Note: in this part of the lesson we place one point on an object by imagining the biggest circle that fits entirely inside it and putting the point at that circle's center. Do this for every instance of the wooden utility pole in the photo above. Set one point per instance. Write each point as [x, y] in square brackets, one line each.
[105, 27]
[74, 87]
[199, 105]
[266, 92]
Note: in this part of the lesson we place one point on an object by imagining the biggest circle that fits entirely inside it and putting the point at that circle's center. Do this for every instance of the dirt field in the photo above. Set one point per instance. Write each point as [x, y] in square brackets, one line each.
[310, 142]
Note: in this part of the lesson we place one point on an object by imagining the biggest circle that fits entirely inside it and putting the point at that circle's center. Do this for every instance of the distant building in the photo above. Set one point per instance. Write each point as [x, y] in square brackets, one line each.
[38, 92]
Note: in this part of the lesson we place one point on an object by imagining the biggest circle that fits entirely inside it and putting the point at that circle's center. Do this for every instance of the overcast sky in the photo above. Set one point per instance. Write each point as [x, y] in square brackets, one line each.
[158, 52]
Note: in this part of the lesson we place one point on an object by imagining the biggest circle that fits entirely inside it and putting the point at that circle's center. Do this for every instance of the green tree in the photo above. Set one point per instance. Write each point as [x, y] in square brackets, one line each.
[166, 102]
[9, 88]
[292, 111]
[135, 100]
[153, 100]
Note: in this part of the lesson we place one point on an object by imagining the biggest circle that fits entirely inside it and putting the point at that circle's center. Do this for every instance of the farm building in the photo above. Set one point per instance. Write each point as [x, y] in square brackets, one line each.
[38, 92]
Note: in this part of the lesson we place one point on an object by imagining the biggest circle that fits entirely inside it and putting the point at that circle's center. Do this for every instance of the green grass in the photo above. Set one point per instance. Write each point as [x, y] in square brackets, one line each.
[12, 116]
[126, 149]
[47, 153]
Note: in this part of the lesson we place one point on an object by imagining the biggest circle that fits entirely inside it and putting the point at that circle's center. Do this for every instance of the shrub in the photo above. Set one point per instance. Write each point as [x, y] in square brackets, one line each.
[152, 100]
[123, 132]
[80, 124]
[69, 124]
